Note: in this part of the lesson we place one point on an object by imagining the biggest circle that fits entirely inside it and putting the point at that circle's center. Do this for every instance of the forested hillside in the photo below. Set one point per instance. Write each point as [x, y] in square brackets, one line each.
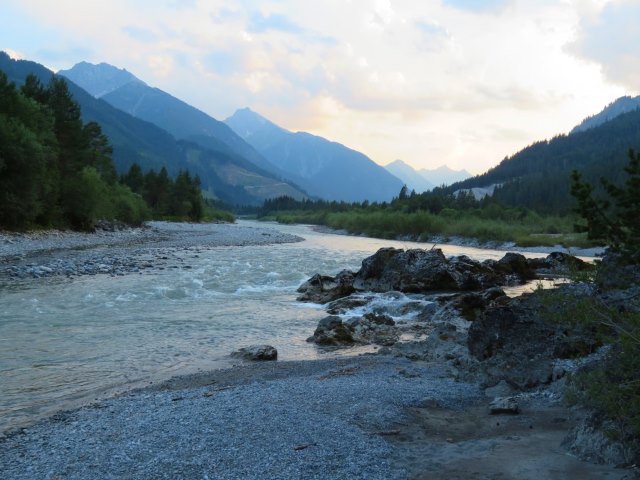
[538, 177]
[136, 141]
[56, 170]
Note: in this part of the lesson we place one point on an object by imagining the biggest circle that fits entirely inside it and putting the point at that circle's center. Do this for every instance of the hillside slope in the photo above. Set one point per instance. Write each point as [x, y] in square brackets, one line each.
[539, 175]
[326, 169]
[138, 141]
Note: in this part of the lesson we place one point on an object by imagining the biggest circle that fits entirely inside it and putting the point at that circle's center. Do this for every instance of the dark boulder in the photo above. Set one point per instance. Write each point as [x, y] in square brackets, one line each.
[343, 305]
[520, 341]
[332, 331]
[323, 288]
[376, 328]
[257, 353]
[472, 304]
[516, 264]
[421, 271]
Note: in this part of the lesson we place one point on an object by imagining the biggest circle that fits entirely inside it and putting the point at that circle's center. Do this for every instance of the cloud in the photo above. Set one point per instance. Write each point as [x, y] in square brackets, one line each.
[612, 39]
[435, 81]
[477, 5]
[223, 62]
[141, 34]
[260, 23]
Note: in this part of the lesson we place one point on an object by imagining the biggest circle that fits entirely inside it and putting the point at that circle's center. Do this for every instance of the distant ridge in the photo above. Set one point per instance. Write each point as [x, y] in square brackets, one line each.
[100, 79]
[444, 175]
[324, 168]
[618, 107]
[224, 176]
[411, 177]
[130, 94]
[538, 176]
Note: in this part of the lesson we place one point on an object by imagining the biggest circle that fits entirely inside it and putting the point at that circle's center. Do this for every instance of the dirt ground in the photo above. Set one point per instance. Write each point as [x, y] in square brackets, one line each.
[474, 445]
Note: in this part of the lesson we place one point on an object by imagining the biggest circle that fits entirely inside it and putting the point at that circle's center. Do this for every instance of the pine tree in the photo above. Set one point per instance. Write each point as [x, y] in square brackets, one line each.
[616, 219]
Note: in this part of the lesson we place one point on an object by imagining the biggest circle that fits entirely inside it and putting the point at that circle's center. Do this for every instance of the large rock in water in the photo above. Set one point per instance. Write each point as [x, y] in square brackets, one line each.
[323, 288]
[331, 331]
[421, 271]
[374, 328]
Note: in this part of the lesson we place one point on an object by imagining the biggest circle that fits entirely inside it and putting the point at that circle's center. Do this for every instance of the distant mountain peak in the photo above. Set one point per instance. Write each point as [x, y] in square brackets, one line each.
[409, 176]
[614, 109]
[247, 123]
[324, 168]
[99, 79]
[444, 175]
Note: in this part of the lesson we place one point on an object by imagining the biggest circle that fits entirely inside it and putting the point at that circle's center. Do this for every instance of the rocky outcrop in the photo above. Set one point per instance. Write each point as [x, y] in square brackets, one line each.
[590, 442]
[558, 263]
[429, 271]
[331, 331]
[519, 342]
[617, 274]
[257, 353]
[374, 328]
[472, 304]
[422, 271]
[323, 288]
[371, 328]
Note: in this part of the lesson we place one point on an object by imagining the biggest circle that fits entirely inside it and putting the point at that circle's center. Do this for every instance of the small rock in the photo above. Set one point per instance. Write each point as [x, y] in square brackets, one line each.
[257, 353]
[504, 405]
[500, 390]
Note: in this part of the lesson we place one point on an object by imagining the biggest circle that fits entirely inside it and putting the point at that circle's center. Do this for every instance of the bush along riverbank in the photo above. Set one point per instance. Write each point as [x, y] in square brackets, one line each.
[579, 342]
[431, 216]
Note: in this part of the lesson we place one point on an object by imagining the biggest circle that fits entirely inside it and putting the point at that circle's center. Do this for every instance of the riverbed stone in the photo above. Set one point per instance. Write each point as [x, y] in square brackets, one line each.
[324, 288]
[504, 405]
[257, 353]
[332, 331]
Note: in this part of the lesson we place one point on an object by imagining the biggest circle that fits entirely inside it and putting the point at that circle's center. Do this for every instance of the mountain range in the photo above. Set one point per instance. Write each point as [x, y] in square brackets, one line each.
[225, 175]
[247, 158]
[424, 179]
[323, 168]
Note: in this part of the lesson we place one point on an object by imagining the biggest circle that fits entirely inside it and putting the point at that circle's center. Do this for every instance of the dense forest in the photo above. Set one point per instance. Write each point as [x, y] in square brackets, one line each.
[57, 171]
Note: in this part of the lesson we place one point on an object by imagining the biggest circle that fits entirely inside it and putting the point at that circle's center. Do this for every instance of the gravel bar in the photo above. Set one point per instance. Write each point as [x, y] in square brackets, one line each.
[312, 420]
[118, 252]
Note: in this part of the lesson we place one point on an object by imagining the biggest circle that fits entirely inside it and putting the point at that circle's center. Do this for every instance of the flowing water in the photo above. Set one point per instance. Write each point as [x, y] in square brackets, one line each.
[71, 340]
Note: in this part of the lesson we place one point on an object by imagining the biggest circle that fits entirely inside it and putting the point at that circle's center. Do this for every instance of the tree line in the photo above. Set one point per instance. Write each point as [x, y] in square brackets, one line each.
[57, 171]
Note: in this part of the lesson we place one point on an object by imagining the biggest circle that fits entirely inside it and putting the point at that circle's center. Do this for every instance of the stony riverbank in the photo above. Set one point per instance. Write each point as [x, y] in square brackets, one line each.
[120, 251]
[419, 409]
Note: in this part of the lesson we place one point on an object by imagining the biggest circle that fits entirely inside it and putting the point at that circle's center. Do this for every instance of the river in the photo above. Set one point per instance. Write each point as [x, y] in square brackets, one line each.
[68, 341]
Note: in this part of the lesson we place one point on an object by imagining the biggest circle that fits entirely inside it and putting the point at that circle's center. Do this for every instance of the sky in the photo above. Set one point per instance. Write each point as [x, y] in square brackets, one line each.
[458, 82]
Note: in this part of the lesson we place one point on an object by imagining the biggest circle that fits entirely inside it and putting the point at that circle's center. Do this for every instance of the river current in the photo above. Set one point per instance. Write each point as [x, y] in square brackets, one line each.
[68, 341]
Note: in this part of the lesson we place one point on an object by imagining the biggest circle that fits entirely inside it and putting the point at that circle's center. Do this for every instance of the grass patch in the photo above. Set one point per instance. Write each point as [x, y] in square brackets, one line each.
[526, 229]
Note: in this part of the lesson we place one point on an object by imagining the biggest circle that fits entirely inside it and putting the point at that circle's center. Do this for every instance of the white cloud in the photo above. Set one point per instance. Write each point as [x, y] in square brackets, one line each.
[431, 82]
[611, 38]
